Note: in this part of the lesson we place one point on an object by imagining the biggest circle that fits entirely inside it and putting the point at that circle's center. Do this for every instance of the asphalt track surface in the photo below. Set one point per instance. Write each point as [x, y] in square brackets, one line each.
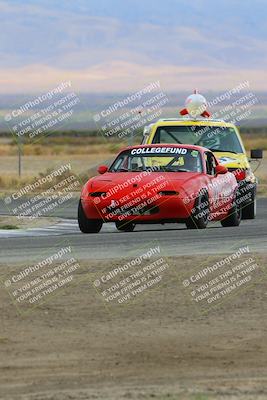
[174, 239]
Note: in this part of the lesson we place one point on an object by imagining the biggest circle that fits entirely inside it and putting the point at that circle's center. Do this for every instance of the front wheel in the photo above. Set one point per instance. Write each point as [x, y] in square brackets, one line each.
[234, 216]
[88, 225]
[200, 214]
[125, 226]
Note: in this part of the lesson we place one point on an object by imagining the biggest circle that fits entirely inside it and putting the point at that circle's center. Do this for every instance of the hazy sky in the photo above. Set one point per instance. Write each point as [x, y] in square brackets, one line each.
[122, 45]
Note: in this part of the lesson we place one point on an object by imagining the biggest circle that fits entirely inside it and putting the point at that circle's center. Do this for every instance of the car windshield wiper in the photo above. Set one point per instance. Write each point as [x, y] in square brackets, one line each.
[174, 170]
[130, 170]
[223, 151]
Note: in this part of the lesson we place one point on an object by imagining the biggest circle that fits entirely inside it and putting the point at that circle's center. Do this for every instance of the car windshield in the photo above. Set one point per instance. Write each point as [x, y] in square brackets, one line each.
[216, 138]
[165, 159]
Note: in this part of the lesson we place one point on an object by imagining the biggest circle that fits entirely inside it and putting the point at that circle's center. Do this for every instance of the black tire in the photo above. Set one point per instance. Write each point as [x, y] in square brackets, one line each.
[249, 211]
[88, 225]
[125, 226]
[234, 216]
[200, 216]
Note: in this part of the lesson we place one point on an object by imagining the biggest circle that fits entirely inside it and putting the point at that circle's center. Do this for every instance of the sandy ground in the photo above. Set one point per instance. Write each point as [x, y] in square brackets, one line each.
[160, 344]
[25, 222]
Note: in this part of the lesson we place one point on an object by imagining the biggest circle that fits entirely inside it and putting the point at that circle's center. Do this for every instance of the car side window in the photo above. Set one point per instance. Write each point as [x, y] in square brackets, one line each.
[210, 163]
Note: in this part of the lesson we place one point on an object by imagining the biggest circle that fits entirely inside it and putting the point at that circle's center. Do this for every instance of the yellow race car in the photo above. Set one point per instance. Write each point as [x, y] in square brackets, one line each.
[223, 139]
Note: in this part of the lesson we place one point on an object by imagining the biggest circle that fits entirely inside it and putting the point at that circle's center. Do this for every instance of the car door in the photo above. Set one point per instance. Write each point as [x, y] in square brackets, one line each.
[219, 188]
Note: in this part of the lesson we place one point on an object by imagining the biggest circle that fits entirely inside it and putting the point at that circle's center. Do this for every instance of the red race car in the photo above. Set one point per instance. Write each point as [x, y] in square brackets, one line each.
[160, 183]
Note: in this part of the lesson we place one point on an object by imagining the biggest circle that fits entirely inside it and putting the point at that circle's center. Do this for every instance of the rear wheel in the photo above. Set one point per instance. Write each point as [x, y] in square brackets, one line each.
[125, 226]
[200, 215]
[234, 216]
[88, 225]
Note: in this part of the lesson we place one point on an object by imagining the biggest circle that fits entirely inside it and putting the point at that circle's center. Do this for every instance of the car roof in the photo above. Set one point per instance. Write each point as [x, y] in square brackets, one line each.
[190, 121]
[185, 146]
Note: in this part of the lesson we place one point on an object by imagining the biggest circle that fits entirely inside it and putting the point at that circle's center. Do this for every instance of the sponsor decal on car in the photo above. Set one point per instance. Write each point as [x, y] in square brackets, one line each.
[225, 160]
[161, 150]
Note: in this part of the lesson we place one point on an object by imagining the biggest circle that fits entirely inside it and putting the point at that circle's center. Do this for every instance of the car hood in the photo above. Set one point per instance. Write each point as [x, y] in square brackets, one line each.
[111, 179]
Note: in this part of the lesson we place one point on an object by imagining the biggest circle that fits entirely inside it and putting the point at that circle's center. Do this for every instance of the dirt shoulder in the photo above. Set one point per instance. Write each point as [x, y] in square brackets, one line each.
[9, 222]
[162, 345]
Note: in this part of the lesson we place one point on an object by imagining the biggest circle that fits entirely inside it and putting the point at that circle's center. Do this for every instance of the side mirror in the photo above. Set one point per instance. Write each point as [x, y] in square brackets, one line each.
[256, 154]
[221, 169]
[102, 169]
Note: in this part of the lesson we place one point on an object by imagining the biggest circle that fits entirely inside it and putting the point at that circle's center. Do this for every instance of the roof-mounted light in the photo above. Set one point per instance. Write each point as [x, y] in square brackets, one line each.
[196, 106]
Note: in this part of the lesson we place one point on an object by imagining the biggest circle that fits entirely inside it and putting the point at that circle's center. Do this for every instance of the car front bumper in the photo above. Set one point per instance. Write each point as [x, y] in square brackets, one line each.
[165, 208]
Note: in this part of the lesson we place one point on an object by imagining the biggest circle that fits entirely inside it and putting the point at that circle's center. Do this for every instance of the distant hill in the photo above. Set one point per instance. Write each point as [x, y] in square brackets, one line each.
[91, 104]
